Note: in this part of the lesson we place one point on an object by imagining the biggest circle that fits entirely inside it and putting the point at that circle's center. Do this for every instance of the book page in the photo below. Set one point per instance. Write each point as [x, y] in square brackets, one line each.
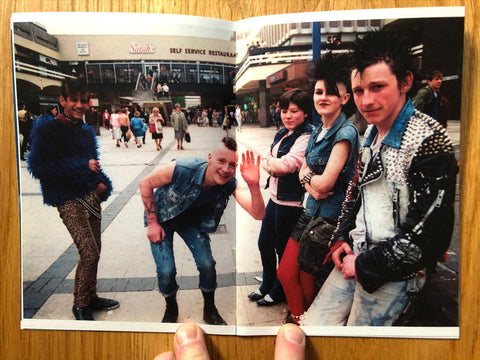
[226, 79]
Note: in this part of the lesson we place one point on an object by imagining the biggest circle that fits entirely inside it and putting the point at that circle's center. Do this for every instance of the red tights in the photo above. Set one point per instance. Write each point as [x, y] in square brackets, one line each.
[298, 285]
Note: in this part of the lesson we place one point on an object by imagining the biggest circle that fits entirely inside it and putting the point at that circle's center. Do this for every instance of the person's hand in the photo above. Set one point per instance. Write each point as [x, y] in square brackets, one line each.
[94, 165]
[101, 188]
[250, 169]
[336, 255]
[303, 172]
[189, 344]
[317, 195]
[348, 267]
[155, 232]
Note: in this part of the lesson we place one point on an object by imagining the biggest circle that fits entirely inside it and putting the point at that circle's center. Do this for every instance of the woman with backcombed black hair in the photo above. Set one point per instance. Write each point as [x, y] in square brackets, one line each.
[329, 165]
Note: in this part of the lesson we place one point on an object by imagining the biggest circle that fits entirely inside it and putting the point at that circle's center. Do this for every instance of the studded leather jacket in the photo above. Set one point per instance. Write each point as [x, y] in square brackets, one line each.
[405, 196]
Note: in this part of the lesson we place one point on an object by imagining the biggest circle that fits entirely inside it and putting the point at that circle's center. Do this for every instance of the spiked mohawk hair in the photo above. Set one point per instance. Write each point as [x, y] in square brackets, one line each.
[388, 46]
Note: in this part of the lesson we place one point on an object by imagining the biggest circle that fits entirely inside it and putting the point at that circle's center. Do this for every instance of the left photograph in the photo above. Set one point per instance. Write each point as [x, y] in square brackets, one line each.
[126, 171]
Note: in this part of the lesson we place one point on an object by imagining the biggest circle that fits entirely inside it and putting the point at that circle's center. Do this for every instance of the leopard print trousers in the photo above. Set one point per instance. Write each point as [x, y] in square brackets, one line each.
[85, 229]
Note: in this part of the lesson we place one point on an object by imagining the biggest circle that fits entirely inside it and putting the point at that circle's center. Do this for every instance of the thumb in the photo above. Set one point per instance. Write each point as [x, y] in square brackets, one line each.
[165, 356]
[290, 343]
[189, 343]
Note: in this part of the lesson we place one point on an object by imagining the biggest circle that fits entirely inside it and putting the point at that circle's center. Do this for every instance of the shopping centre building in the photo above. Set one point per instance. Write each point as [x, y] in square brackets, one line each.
[124, 69]
[251, 65]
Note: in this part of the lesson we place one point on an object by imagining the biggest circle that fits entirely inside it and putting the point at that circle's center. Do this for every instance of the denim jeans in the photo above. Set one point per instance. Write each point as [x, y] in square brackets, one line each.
[276, 228]
[199, 245]
[344, 302]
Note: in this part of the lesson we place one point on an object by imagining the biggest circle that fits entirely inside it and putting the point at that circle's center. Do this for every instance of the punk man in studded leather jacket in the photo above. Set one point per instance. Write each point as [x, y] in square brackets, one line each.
[398, 215]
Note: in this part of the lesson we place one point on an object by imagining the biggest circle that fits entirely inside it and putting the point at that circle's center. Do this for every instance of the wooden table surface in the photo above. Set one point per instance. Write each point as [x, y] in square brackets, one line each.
[29, 344]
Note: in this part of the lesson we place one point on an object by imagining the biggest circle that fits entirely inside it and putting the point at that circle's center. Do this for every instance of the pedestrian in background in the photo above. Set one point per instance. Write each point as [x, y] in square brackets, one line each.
[137, 126]
[106, 119]
[238, 118]
[115, 124]
[180, 125]
[24, 127]
[428, 98]
[227, 121]
[155, 123]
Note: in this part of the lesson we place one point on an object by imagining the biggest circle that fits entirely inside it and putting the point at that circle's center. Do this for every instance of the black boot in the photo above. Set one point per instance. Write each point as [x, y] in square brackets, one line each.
[171, 310]
[82, 313]
[210, 312]
[98, 303]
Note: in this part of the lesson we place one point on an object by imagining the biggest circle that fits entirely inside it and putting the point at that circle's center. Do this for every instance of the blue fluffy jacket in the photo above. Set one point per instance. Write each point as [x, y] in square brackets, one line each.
[59, 156]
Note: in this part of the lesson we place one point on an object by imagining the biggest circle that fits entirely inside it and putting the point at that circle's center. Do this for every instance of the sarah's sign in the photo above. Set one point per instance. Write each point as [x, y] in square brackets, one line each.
[142, 49]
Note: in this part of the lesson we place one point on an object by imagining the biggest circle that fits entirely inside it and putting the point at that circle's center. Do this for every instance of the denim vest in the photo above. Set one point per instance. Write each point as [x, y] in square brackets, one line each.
[289, 188]
[317, 155]
[174, 198]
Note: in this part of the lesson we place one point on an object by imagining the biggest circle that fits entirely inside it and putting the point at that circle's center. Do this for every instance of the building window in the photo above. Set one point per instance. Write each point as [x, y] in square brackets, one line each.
[191, 74]
[135, 69]
[362, 23]
[122, 73]
[107, 72]
[23, 29]
[93, 73]
[178, 73]
[205, 74]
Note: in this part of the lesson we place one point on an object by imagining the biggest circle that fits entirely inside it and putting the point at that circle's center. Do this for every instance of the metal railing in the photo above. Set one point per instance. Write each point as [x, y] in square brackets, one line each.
[40, 71]
[285, 57]
[274, 58]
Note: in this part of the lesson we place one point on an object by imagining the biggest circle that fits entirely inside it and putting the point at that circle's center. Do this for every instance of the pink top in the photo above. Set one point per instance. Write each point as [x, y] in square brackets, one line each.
[114, 121]
[289, 163]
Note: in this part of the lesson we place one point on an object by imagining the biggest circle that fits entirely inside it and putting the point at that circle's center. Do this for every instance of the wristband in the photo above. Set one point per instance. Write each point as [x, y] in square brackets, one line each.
[307, 178]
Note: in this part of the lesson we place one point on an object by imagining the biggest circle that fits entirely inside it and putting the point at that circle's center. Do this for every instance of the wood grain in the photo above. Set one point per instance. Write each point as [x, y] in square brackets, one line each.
[51, 345]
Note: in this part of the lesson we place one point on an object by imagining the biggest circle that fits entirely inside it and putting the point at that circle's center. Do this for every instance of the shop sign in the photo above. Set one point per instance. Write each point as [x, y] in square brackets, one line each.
[277, 77]
[142, 49]
[82, 48]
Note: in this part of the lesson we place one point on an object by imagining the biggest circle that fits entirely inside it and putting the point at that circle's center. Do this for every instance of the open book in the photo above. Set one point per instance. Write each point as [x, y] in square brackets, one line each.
[226, 78]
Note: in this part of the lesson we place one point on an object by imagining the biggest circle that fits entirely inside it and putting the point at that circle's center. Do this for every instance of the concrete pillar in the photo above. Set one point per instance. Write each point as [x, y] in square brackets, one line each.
[262, 104]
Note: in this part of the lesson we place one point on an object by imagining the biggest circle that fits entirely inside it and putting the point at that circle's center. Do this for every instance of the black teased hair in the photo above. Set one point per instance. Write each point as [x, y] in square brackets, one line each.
[72, 87]
[298, 97]
[332, 69]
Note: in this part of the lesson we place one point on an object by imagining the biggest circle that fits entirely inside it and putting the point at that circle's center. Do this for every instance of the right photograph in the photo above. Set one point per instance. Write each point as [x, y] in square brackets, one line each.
[359, 140]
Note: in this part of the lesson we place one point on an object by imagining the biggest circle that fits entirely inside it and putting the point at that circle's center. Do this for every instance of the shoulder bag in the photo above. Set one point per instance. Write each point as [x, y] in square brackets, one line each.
[314, 248]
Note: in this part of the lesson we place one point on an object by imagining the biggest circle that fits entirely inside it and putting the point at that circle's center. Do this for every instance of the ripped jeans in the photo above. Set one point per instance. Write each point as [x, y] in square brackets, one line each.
[344, 302]
[199, 245]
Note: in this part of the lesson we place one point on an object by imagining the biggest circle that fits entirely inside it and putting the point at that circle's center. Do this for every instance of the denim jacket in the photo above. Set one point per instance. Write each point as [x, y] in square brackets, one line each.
[289, 188]
[317, 155]
[174, 198]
